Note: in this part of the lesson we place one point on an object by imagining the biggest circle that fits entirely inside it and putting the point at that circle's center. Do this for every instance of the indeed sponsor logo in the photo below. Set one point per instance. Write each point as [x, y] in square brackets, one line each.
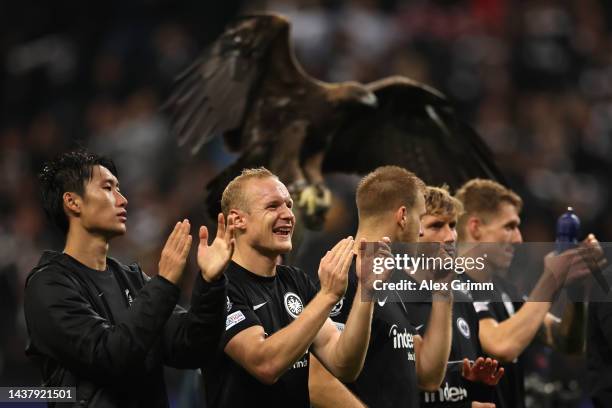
[446, 393]
[402, 340]
[302, 363]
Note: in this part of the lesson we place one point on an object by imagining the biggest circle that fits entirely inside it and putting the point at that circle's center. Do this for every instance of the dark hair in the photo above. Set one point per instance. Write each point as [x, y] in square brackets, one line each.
[67, 172]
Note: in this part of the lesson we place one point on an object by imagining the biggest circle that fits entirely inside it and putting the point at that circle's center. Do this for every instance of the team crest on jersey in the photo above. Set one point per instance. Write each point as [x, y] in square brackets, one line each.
[228, 304]
[337, 308]
[293, 304]
[463, 327]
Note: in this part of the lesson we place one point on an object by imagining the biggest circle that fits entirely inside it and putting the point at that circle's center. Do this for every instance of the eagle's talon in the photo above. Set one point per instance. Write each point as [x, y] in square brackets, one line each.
[314, 202]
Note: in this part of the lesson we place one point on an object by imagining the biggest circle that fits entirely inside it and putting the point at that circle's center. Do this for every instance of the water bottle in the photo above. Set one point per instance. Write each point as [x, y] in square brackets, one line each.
[568, 228]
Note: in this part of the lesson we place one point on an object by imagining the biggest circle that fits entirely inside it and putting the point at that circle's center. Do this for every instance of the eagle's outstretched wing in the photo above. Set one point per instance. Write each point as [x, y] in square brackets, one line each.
[415, 127]
[214, 95]
[249, 88]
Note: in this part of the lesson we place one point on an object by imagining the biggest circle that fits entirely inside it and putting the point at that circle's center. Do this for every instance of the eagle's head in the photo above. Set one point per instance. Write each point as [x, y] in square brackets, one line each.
[353, 93]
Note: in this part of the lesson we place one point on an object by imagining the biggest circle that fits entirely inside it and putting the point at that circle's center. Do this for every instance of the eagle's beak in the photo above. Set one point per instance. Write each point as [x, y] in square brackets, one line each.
[369, 100]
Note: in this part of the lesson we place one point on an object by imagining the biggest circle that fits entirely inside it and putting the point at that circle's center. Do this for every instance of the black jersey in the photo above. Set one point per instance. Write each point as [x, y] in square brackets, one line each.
[510, 392]
[388, 378]
[455, 391]
[273, 303]
[110, 289]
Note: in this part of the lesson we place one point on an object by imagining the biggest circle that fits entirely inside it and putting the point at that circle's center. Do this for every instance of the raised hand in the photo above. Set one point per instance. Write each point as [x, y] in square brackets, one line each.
[213, 259]
[365, 264]
[567, 267]
[592, 254]
[174, 255]
[484, 371]
[334, 266]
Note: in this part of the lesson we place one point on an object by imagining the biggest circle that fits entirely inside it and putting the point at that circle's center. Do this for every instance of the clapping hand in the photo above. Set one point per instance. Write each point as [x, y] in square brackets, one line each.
[481, 370]
[214, 258]
[174, 255]
[334, 266]
[368, 252]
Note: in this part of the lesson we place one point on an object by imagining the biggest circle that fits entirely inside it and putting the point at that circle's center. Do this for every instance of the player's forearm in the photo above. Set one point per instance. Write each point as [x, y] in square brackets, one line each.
[59, 316]
[277, 353]
[191, 337]
[435, 348]
[476, 404]
[546, 288]
[326, 390]
[507, 340]
[352, 345]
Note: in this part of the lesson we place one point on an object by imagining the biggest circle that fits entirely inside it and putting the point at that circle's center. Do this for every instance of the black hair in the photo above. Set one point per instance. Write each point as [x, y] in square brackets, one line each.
[68, 172]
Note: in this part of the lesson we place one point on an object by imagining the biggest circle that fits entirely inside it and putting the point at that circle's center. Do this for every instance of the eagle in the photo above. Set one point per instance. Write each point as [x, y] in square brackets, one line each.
[248, 88]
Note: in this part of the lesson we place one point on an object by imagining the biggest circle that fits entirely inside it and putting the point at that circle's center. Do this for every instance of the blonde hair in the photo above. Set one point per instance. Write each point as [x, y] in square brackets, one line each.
[385, 189]
[482, 198]
[439, 202]
[234, 195]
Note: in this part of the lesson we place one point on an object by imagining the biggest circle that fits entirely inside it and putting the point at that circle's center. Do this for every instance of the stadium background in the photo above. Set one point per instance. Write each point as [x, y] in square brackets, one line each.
[533, 77]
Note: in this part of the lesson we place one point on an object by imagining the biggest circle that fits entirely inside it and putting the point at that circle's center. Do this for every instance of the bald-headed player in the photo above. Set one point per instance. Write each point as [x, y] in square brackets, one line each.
[276, 316]
[491, 215]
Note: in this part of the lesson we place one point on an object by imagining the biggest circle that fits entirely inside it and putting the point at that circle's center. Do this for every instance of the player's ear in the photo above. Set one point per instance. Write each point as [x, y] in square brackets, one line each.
[239, 219]
[473, 226]
[401, 217]
[72, 202]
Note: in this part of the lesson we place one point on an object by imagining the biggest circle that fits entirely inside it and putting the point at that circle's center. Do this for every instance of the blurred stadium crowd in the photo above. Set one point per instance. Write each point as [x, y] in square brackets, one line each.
[533, 77]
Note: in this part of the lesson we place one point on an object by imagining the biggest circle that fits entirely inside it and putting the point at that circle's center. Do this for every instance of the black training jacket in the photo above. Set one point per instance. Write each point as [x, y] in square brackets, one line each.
[75, 342]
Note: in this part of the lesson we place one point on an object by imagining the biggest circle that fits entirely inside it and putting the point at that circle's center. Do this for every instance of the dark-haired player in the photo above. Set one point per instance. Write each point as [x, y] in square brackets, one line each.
[105, 327]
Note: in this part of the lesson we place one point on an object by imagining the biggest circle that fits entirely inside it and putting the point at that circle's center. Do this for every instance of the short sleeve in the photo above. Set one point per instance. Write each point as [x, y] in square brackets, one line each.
[484, 310]
[240, 315]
